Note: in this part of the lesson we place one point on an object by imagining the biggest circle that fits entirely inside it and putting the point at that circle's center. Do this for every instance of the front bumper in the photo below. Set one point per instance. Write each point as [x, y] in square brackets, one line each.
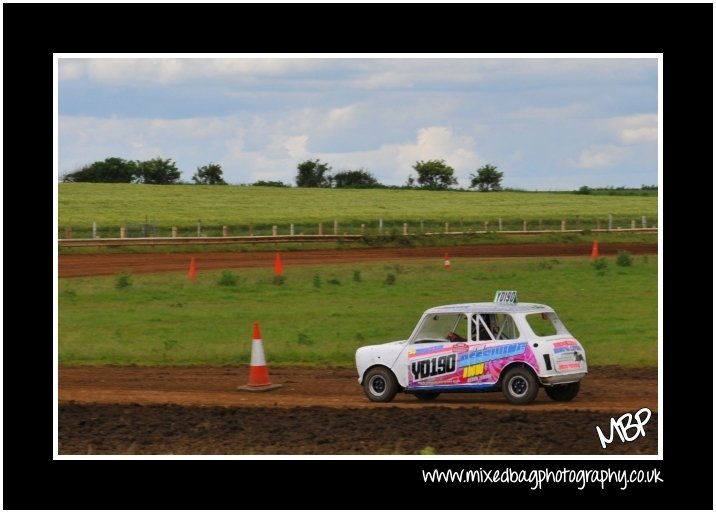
[562, 378]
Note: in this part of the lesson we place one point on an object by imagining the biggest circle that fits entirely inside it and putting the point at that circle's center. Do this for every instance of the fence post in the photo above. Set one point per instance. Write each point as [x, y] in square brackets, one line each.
[94, 229]
[362, 228]
[291, 228]
[524, 225]
[123, 232]
[405, 228]
[68, 232]
[335, 227]
[499, 223]
[251, 229]
[174, 232]
[198, 228]
[225, 231]
[633, 224]
[643, 221]
[610, 223]
[487, 226]
[447, 227]
[274, 230]
[380, 226]
[422, 227]
[564, 225]
[320, 228]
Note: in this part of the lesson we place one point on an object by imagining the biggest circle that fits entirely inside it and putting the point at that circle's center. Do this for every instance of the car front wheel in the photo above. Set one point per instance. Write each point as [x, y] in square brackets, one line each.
[380, 385]
[563, 393]
[520, 386]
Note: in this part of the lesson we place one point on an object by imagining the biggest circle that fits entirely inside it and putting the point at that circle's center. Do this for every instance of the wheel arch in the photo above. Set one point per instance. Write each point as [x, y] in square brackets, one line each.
[512, 365]
[375, 365]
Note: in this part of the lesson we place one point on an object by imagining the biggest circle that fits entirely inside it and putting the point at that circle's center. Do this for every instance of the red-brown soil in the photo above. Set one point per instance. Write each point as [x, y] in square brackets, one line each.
[107, 264]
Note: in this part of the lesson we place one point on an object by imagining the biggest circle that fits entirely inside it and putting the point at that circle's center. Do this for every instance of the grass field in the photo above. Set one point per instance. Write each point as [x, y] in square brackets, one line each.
[245, 209]
[321, 315]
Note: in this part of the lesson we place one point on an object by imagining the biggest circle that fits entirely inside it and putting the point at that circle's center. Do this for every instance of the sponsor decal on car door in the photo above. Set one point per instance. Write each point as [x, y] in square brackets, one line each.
[463, 363]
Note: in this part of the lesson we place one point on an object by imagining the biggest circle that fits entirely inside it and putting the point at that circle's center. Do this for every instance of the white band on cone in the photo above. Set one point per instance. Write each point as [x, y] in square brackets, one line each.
[257, 352]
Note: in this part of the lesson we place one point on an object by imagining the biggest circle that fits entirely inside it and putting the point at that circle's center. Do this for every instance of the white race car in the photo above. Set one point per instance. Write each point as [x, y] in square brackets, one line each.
[478, 347]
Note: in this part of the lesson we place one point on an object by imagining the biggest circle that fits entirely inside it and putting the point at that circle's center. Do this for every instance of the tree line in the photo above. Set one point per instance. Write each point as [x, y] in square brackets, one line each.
[431, 174]
[154, 171]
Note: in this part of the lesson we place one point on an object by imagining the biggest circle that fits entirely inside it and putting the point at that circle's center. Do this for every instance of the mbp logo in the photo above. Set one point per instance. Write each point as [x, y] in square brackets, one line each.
[623, 426]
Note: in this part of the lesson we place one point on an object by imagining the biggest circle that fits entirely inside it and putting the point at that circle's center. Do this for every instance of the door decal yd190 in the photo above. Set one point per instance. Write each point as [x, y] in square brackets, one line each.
[456, 364]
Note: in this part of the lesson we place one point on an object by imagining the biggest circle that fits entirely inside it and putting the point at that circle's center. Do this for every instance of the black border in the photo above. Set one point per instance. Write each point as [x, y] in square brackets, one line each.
[32, 480]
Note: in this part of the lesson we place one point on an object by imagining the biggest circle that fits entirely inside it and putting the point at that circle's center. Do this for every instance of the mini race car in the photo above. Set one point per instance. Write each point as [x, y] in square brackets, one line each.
[503, 346]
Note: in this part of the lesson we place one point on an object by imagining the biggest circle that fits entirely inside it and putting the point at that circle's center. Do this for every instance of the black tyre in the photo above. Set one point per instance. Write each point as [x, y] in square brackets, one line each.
[563, 393]
[427, 396]
[519, 385]
[380, 385]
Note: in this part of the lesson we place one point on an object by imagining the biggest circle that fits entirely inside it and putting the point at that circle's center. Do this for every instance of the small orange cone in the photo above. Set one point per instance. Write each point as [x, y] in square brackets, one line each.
[277, 267]
[192, 269]
[595, 250]
[447, 261]
[258, 371]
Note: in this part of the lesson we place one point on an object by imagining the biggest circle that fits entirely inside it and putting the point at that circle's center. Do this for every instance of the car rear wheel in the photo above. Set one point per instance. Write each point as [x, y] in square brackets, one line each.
[380, 385]
[563, 393]
[427, 396]
[519, 385]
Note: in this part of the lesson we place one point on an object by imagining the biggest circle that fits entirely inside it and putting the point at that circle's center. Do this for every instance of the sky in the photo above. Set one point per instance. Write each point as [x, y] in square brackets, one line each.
[548, 123]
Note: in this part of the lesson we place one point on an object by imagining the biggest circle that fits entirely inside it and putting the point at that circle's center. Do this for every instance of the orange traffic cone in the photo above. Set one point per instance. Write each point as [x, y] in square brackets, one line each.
[277, 267]
[447, 261]
[595, 250]
[192, 269]
[258, 371]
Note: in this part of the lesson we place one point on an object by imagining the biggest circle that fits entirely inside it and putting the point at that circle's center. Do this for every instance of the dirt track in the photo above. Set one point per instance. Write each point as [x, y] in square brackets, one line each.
[106, 264]
[199, 410]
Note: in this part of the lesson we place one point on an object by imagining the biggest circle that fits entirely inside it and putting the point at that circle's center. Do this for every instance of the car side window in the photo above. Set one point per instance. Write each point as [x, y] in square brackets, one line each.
[543, 324]
[504, 327]
[480, 328]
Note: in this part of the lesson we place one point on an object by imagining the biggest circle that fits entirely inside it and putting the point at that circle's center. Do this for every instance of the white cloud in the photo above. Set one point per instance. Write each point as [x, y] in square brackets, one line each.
[599, 157]
[340, 116]
[634, 129]
[637, 135]
[296, 146]
[70, 69]
[83, 140]
[128, 70]
[392, 163]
